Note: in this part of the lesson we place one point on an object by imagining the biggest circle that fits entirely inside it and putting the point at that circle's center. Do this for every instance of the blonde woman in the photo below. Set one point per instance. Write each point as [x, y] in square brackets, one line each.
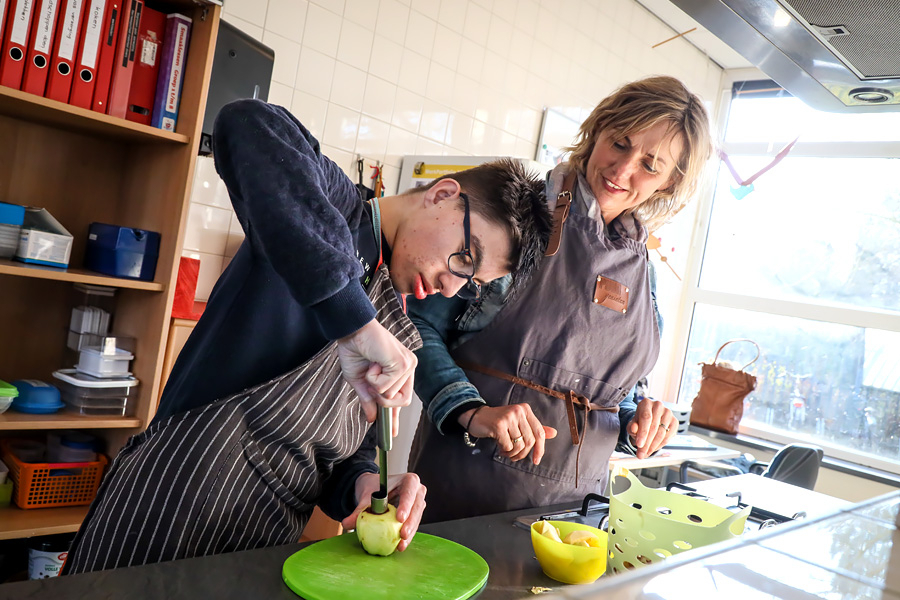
[541, 371]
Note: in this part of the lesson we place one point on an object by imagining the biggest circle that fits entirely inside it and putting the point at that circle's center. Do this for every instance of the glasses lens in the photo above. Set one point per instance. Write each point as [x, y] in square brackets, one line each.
[470, 291]
[461, 264]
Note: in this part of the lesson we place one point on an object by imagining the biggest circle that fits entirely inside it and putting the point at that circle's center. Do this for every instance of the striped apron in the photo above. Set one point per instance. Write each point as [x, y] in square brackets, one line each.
[240, 473]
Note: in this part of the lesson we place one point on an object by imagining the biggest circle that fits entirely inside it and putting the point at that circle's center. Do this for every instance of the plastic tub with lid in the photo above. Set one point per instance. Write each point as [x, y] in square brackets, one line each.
[101, 363]
[71, 447]
[28, 451]
[36, 397]
[8, 393]
[90, 395]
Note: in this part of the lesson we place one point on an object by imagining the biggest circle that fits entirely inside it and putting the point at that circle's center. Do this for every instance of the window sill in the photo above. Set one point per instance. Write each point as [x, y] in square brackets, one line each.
[835, 464]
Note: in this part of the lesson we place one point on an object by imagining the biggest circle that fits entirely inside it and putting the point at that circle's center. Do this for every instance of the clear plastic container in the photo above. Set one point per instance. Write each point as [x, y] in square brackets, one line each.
[93, 307]
[99, 296]
[8, 393]
[107, 407]
[101, 362]
[29, 451]
[89, 319]
[71, 447]
[89, 395]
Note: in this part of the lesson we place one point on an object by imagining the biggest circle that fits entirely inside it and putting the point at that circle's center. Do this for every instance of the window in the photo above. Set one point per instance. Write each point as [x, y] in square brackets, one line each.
[808, 266]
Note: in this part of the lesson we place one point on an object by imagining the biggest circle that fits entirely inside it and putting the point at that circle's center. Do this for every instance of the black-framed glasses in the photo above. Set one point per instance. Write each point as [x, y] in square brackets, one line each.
[462, 264]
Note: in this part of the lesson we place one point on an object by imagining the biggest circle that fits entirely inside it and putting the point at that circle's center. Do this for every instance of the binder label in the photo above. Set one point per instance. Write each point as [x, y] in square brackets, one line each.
[92, 34]
[177, 68]
[148, 52]
[69, 30]
[19, 34]
[2, 15]
[131, 33]
[44, 34]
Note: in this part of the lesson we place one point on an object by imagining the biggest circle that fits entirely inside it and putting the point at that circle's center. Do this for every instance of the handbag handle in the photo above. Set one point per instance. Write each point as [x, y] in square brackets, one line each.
[716, 359]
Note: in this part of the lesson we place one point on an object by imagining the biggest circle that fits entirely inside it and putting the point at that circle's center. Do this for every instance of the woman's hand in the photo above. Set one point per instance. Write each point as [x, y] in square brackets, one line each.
[405, 492]
[514, 427]
[652, 427]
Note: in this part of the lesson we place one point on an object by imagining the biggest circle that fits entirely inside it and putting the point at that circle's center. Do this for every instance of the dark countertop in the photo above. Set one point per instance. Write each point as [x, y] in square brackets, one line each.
[257, 573]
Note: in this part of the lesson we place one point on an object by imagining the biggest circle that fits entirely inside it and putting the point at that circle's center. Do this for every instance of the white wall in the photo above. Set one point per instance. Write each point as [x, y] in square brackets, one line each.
[388, 78]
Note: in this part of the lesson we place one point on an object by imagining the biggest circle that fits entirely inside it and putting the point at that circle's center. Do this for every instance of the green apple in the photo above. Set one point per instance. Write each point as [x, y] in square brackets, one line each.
[379, 534]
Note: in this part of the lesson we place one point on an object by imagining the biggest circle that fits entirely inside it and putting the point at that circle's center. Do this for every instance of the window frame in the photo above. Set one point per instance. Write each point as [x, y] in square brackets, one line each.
[693, 294]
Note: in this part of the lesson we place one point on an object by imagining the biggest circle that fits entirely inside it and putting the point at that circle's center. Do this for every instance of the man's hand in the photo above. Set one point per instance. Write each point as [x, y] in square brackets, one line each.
[515, 428]
[406, 492]
[652, 427]
[378, 367]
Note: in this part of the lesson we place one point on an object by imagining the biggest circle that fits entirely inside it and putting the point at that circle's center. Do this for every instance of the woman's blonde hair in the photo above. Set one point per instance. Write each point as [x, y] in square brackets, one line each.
[637, 106]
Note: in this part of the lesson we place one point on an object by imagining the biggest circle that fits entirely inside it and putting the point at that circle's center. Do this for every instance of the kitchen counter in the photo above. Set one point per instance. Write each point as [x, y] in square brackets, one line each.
[842, 554]
[257, 573]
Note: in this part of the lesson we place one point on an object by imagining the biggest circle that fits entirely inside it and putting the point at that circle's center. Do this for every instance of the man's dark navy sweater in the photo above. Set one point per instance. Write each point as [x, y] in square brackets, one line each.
[295, 283]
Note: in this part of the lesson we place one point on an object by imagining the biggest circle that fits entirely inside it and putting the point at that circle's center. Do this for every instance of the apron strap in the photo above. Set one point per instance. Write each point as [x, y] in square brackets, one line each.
[571, 398]
[376, 226]
[560, 213]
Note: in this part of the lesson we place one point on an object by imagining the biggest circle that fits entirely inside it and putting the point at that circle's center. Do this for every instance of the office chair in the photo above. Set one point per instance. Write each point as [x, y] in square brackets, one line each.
[797, 464]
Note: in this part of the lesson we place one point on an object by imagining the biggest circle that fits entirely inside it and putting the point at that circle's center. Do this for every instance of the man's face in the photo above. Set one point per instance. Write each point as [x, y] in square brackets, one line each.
[428, 238]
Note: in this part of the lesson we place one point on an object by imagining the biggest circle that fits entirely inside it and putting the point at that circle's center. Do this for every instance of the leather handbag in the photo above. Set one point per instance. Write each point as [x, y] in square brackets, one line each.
[719, 403]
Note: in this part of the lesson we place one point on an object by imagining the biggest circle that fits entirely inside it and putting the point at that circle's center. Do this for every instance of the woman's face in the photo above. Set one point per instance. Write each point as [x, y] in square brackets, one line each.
[624, 172]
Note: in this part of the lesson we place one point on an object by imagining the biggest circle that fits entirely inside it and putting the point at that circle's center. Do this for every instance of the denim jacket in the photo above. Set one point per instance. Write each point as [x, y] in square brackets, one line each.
[445, 323]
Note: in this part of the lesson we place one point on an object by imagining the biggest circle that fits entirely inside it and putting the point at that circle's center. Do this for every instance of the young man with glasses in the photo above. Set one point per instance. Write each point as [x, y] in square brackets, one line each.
[263, 417]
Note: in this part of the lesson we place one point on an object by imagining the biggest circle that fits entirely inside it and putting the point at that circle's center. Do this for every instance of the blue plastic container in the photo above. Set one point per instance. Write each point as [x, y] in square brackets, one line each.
[122, 251]
[12, 214]
[11, 218]
[36, 397]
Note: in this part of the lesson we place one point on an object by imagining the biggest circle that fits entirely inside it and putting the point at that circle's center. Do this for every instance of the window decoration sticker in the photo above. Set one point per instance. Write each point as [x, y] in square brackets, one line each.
[745, 186]
[654, 243]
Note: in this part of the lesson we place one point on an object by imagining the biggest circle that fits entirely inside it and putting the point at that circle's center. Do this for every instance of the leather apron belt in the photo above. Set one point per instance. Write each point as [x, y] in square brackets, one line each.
[571, 399]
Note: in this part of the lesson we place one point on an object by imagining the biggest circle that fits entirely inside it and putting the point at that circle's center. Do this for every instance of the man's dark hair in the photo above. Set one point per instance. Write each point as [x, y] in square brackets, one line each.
[506, 194]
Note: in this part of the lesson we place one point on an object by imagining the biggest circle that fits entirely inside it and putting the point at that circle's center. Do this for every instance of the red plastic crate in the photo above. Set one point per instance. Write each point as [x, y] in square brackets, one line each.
[44, 485]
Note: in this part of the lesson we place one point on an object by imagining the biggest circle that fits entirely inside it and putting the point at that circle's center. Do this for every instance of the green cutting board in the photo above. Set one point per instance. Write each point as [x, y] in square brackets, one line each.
[339, 569]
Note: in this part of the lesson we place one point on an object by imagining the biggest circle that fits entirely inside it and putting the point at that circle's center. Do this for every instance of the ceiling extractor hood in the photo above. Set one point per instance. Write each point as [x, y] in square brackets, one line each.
[835, 55]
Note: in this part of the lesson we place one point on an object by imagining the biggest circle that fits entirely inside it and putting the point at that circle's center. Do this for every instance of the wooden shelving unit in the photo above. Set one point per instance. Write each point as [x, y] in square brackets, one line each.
[13, 421]
[84, 167]
[28, 107]
[18, 523]
[8, 267]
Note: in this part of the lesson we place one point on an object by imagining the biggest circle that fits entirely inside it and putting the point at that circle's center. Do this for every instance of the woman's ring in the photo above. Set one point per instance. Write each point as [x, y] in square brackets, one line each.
[517, 440]
[665, 426]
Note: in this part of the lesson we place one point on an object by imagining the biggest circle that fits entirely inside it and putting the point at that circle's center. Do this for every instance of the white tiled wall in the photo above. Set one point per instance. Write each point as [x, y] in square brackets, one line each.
[388, 78]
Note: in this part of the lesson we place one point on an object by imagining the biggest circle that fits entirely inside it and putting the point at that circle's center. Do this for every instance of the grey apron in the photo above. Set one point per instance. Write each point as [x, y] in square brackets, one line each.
[553, 334]
[241, 473]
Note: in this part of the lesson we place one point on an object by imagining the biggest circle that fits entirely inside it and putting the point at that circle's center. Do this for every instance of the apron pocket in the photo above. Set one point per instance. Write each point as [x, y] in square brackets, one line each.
[256, 459]
[601, 430]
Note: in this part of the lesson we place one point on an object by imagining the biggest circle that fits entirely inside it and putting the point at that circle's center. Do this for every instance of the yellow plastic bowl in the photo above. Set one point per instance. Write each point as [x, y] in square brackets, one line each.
[566, 563]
